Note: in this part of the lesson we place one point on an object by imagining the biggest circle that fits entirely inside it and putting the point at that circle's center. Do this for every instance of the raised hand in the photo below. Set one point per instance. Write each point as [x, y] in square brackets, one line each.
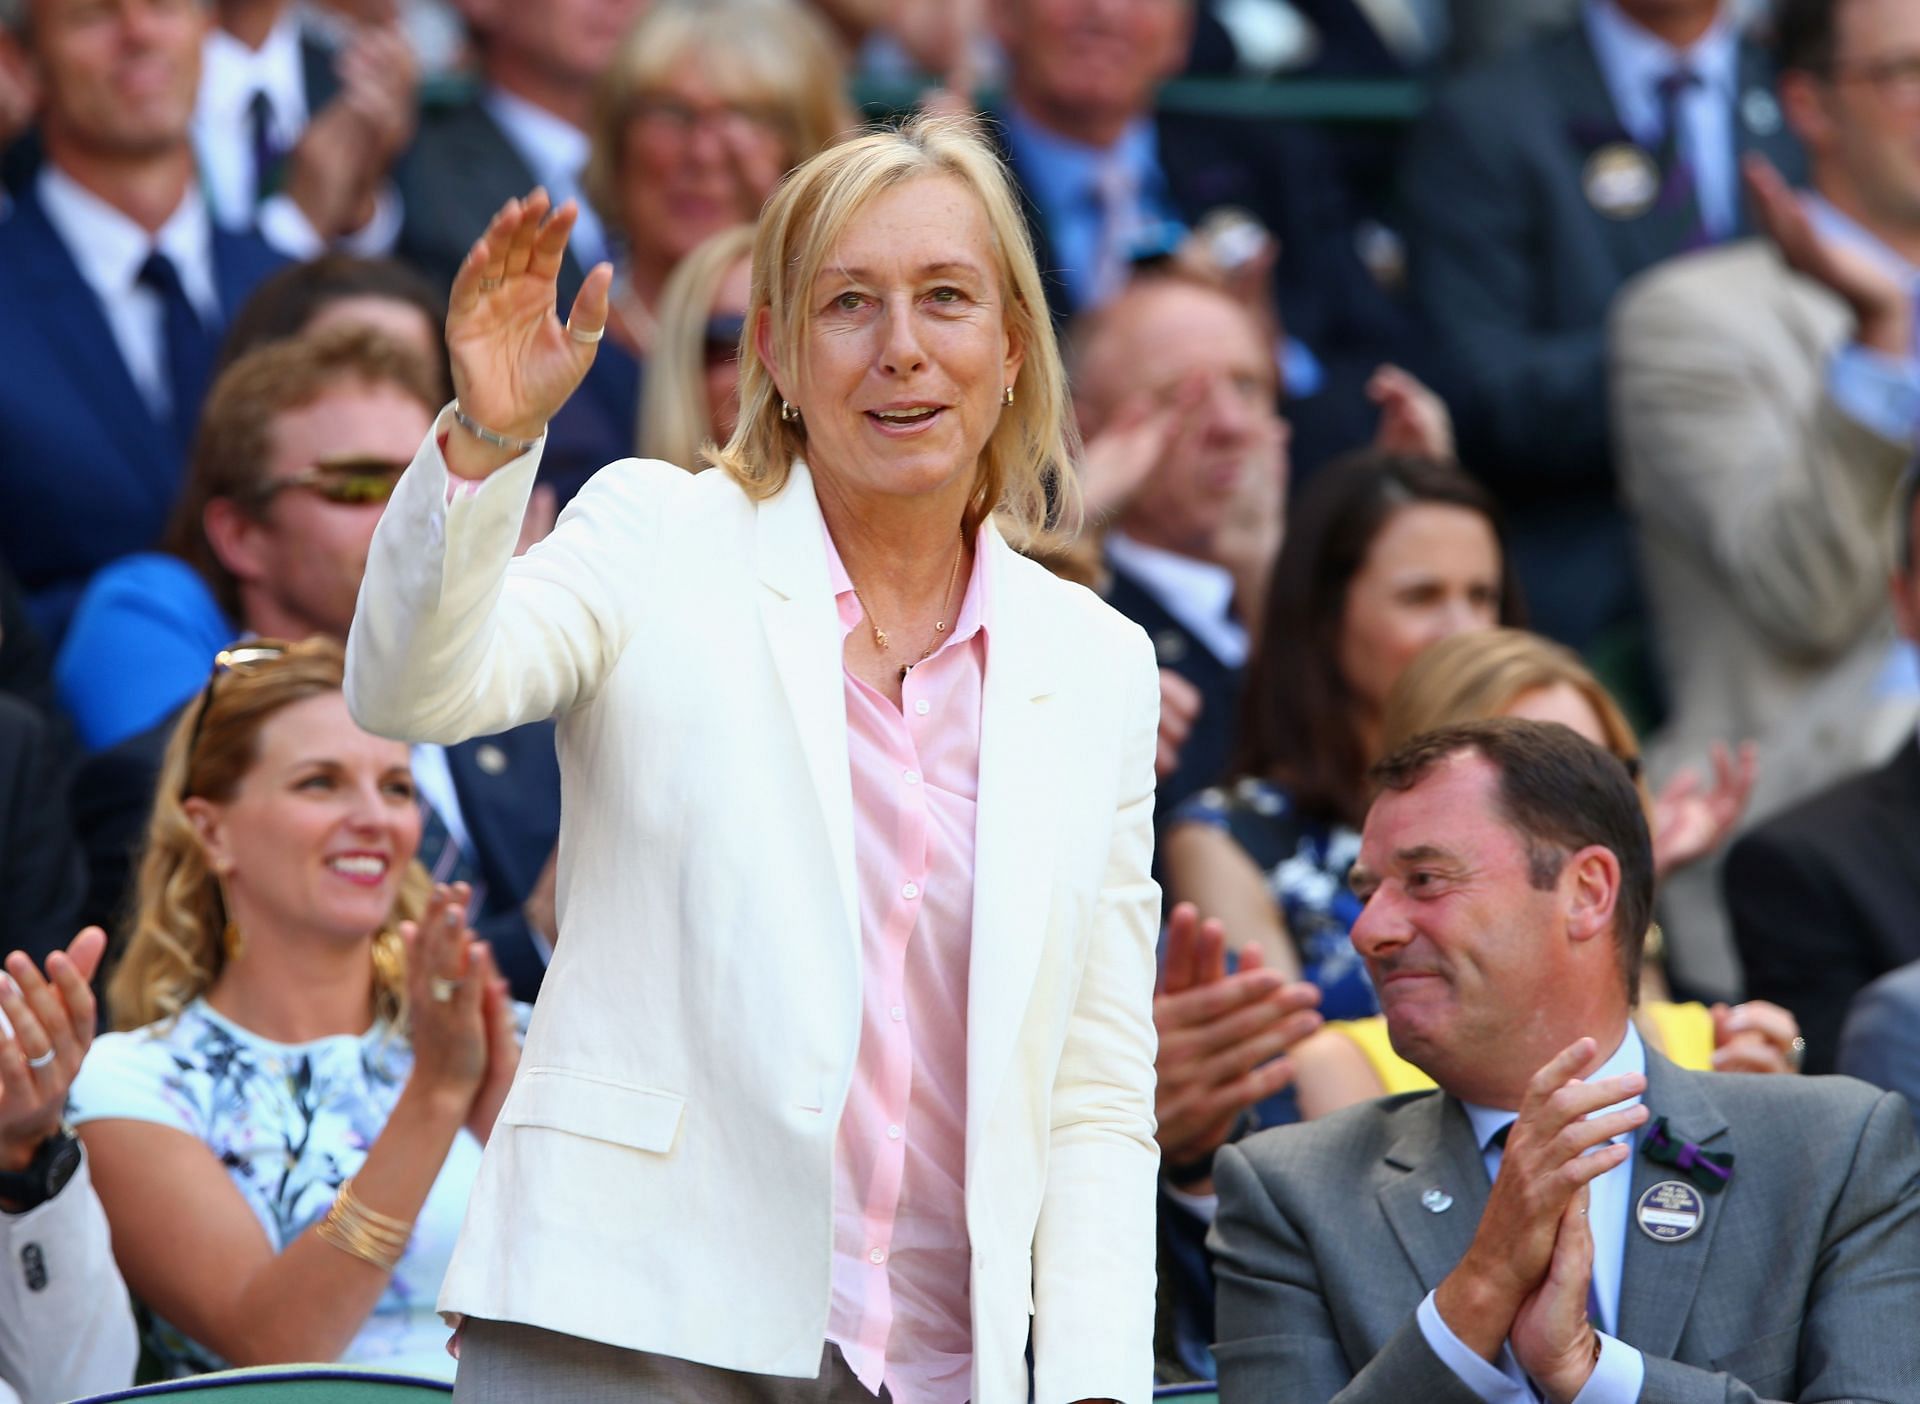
[1756, 1037]
[1180, 704]
[1222, 1037]
[1413, 420]
[1553, 1339]
[514, 362]
[1134, 442]
[1546, 1161]
[1690, 822]
[51, 1019]
[1882, 306]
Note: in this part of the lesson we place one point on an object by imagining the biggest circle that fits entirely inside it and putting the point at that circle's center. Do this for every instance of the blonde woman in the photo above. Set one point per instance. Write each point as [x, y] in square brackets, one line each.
[312, 1045]
[706, 105]
[1512, 673]
[693, 378]
[842, 1077]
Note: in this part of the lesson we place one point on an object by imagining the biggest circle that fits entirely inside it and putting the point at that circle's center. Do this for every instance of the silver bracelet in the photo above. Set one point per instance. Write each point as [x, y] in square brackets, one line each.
[486, 435]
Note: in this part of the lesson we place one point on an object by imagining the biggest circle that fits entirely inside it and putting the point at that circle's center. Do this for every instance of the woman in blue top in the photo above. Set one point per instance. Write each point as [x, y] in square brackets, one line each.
[313, 1049]
[1384, 555]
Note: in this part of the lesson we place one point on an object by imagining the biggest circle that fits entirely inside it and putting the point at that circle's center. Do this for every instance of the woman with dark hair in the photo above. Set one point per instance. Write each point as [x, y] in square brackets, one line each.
[1385, 554]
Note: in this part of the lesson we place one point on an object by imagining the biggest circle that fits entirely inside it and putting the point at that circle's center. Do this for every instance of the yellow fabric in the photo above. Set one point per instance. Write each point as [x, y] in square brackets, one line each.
[1684, 1032]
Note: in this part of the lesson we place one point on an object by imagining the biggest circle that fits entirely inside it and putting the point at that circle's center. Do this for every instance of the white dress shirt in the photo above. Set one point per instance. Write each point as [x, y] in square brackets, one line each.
[1197, 593]
[110, 249]
[1620, 1371]
[231, 74]
[556, 152]
[1634, 61]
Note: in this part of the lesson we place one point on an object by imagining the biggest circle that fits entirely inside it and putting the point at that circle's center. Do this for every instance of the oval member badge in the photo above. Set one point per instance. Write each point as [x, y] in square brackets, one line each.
[1621, 181]
[1670, 1212]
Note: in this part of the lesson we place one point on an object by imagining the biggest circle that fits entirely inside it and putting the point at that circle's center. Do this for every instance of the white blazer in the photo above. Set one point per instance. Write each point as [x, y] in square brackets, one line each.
[661, 1177]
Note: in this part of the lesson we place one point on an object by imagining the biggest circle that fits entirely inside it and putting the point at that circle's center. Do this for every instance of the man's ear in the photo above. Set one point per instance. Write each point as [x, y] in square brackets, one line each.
[209, 821]
[1590, 887]
[238, 539]
[1803, 98]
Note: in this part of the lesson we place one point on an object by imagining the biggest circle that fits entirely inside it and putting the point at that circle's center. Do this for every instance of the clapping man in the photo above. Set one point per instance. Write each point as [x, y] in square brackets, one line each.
[1570, 1217]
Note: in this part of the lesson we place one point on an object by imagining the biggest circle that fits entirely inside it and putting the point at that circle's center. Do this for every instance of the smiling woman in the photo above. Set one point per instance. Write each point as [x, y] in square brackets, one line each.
[851, 1014]
[314, 1047]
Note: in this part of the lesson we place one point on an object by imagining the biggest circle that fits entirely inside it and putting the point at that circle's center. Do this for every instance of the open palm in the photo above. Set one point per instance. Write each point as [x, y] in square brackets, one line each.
[514, 363]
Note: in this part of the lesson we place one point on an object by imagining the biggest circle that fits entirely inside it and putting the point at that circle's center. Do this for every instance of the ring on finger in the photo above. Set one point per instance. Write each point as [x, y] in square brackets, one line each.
[42, 1061]
[490, 284]
[443, 990]
[585, 338]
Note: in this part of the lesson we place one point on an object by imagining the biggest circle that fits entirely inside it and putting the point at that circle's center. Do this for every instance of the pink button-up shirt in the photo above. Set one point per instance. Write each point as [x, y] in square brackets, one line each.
[902, 1309]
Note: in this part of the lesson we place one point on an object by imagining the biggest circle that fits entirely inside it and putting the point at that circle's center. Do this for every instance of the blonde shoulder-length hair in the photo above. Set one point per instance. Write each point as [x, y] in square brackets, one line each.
[1480, 674]
[178, 945]
[1026, 471]
[777, 56]
[676, 422]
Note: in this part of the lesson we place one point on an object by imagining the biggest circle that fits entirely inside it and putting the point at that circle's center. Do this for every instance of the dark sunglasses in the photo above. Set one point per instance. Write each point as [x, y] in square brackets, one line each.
[349, 482]
[723, 338]
[241, 658]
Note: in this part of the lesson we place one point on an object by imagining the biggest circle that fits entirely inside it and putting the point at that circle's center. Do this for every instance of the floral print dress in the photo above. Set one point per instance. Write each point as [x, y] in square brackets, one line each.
[289, 1122]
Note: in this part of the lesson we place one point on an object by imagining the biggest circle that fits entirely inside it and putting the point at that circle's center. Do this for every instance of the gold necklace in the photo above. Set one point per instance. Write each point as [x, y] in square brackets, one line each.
[880, 640]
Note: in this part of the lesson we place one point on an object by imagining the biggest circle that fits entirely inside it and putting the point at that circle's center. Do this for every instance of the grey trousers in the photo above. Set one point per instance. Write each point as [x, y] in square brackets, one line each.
[502, 1362]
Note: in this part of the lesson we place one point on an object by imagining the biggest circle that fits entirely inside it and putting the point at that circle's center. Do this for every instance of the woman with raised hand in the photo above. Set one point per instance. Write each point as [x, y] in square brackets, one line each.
[313, 1043]
[843, 1071]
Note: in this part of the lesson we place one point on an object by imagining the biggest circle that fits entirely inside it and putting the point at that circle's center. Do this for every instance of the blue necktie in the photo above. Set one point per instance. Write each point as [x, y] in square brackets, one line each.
[1679, 200]
[189, 346]
[268, 158]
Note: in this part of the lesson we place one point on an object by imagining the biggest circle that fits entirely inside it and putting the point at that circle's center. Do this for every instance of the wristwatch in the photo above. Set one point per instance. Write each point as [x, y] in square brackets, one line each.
[45, 1176]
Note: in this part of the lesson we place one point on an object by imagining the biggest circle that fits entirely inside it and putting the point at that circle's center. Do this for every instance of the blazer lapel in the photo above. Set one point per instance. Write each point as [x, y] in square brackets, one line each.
[1021, 758]
[1435, 1200]
[803, 634]
[1760, 127]
[1659, 1280]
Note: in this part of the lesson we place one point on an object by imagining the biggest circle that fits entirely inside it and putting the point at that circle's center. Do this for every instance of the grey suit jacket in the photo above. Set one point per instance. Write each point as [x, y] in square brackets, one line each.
[1800, 1285]
[1880, 1041]
[1765, 517]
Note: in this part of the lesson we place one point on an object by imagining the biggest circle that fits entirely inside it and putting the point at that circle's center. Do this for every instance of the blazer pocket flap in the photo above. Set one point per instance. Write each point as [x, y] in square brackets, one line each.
[644, 1118]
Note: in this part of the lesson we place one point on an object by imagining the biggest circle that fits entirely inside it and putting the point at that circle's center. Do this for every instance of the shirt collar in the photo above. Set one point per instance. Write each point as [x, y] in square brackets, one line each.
[1629, 1057]
[975, 605]
[110, 249]
[233, 73]
[1842, 229]
[1200, 586]
[1063, 169]
[555, 148]
[1634, 60]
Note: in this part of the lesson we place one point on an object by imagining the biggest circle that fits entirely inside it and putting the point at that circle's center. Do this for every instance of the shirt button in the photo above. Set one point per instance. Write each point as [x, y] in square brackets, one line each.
[877, 1256]
[910, 891]
[893, 1133]
[922, 707]
[898, 1013]
[912, 777]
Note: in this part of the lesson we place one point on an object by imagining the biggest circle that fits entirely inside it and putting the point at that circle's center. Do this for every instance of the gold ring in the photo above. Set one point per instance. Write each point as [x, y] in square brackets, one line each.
[442, 989]
[585, 338]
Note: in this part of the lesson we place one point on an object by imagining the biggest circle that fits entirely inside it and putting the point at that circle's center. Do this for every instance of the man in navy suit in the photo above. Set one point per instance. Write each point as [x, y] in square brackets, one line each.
[1534, 189]
[114, 287]
[1108, 181]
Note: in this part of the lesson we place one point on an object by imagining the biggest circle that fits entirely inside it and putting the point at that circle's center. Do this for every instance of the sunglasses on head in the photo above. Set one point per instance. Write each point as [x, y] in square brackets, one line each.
[349, 482]
[241, 658]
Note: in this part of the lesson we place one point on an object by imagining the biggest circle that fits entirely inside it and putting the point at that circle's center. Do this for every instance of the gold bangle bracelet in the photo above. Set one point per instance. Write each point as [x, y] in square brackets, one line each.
[357, 1244]
[357, 1207]
[353, 1228]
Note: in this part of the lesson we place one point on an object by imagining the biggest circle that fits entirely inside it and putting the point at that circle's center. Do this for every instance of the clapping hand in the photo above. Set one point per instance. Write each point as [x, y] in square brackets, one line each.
[1756, 1037]
[1222, 1036]
[461, 1026]
[1554, 1340]
[1881, 304]
[514, 362]
[1413, 420]
[51, 1019]
[1690, 822]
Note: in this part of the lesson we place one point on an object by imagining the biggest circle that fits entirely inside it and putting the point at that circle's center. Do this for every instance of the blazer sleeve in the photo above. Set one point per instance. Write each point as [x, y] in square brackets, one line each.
[1477, 272]
[73, 1333]
[1278, 1341]
[1880, 1042]
[1094, 1243]
[1854, 1346]
[455, 637]
[1790, 515]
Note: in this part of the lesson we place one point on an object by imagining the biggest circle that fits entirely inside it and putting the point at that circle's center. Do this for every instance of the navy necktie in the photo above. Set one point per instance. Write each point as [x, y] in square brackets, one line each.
[442, 856]
[189, 345]
[1679, 199]
[267, 155]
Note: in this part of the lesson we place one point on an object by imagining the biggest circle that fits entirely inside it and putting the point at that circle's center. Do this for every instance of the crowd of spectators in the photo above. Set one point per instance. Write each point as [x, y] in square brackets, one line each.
[1616, 338]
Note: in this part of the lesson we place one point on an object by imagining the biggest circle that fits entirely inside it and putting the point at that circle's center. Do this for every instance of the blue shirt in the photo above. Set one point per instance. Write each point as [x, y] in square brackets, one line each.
[1063, 178]
[1621, 1370]
[1634, 61]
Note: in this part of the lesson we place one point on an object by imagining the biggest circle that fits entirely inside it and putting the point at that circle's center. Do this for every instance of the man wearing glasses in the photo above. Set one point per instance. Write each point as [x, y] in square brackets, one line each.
[302, 444]
[1767, 400]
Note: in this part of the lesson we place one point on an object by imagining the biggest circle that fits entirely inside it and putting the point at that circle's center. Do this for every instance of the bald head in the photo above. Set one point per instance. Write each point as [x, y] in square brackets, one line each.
[1160, 338]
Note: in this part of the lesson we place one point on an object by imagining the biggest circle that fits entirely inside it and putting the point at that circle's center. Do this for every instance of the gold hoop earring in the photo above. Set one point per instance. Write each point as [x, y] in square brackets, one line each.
[232, 942]
[788, 414]
[1009, 397]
